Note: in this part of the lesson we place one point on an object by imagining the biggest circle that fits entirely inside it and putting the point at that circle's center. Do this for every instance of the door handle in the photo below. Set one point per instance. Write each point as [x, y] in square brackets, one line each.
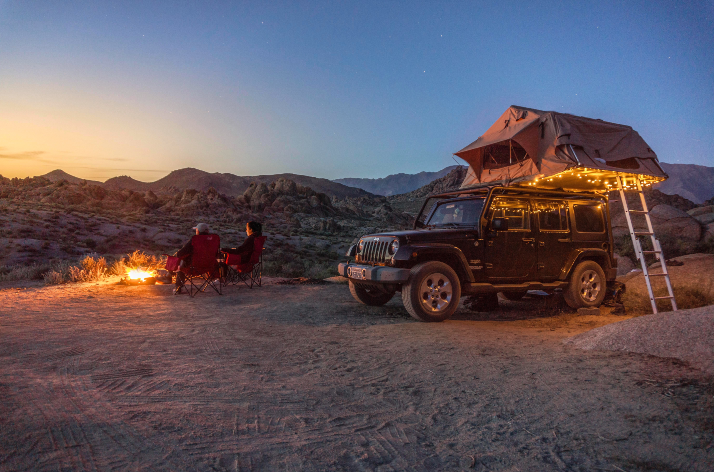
[528, 240]
[564, 240]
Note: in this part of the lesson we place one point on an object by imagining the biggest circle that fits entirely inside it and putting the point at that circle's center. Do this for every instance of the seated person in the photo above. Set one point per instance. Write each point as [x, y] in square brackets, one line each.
[185, 254]
[253, 229]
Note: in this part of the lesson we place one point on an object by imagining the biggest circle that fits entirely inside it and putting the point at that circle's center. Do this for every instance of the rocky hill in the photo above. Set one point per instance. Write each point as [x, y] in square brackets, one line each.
[411, 202]
[42, 220]
[230, 184]
[396, 183]
[690, 181]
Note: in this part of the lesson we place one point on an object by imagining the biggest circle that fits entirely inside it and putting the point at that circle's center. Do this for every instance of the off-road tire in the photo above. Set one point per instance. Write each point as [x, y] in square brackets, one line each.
[514, 296]
[371, 296]
[587, 286]
[435, 285]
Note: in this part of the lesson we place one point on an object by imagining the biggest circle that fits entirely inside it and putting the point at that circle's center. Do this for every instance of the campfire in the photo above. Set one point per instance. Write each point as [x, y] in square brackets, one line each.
[139, 276]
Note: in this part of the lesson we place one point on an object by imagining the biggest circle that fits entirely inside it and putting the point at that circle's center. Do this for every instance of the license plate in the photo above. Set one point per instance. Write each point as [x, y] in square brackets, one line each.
[356, 273]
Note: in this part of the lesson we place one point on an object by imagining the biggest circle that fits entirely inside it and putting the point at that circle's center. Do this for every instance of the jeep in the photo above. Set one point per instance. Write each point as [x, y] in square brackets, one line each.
[484, 241]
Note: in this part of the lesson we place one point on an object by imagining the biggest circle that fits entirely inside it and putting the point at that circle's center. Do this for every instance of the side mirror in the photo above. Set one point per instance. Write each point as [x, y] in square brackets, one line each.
[499, 224]
[418, 224]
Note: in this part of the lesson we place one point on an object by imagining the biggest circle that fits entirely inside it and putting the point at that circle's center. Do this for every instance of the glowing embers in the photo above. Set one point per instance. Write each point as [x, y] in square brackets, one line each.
[583, 178]
[139, 276]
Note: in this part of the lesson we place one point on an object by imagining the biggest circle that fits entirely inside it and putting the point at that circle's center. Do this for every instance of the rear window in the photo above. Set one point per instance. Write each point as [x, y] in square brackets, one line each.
[552, 216]
[588, 218]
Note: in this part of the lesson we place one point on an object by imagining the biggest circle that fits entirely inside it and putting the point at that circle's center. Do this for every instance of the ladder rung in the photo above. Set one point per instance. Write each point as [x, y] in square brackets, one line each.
[651, 252]
[658, 275]
[638, 211]
[664, 298]
[637, 233]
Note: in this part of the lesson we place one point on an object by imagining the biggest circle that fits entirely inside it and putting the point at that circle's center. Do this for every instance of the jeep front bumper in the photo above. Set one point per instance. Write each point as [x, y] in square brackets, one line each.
[369, 273]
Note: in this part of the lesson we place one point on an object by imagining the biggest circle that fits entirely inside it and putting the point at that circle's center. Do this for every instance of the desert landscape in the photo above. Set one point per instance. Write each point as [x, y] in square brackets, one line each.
[98, 375]
[143, 144]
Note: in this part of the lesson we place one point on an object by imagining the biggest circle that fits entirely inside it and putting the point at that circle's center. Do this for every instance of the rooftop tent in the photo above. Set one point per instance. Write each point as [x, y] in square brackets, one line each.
[550, 149]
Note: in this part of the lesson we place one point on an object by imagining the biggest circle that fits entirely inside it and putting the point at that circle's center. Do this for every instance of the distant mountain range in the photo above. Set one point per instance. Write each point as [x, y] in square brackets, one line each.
[396, 183]
[227, 184]
[691, 181]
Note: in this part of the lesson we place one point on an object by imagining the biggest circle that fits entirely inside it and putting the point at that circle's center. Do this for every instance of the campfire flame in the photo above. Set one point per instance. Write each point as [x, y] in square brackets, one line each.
[139, 274]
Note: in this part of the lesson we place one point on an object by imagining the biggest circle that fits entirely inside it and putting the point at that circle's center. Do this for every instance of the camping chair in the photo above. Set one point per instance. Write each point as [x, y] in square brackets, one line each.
[251, 272]
[204, 270]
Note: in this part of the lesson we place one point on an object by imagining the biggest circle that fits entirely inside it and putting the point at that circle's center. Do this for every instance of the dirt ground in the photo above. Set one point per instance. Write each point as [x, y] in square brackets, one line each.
[302, 377]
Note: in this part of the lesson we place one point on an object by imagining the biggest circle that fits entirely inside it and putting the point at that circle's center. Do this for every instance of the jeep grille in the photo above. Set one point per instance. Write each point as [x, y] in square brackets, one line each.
[375, 252]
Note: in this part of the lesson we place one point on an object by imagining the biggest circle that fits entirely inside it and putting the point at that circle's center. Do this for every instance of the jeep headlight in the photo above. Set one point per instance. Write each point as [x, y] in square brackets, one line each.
[393, 247]
[360, 246]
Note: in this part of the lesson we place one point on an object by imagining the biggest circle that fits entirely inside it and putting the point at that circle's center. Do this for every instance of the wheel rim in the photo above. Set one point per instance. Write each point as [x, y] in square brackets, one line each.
[435, 293]
[590, 285]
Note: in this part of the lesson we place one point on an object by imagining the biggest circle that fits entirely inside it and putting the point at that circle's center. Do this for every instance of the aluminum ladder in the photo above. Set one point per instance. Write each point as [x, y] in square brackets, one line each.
[639, 252]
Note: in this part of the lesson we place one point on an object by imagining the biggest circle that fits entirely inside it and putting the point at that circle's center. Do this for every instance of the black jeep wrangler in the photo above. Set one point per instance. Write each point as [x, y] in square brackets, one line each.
[484, 241]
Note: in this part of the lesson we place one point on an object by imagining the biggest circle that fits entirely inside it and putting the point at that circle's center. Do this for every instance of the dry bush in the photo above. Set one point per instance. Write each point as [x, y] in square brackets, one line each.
[638, 302]
[137, 260]
[58, 273]
[23, 272]
[90, 269]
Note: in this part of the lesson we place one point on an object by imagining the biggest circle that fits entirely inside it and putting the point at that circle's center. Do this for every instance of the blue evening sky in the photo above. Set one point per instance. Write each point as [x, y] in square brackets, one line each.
[335, 89]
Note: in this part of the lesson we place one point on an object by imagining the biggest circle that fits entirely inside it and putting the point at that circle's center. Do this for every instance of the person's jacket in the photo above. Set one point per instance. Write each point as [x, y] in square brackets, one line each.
[245, 250]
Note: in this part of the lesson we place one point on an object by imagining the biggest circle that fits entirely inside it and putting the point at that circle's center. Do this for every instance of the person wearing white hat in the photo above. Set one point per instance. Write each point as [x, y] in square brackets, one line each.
[185, 254]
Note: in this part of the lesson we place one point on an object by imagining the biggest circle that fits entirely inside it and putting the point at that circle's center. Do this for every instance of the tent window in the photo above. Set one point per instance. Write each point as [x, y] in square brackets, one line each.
[629, 163]
[503, 154]
[588, 218]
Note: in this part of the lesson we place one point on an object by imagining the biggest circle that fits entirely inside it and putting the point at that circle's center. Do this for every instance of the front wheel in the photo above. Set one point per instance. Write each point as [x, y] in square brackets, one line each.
[587, 286]
[371, 296]
[433, 292]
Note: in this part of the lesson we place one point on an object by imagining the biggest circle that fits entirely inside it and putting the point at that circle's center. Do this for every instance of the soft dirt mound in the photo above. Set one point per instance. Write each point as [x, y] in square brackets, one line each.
[687, 335]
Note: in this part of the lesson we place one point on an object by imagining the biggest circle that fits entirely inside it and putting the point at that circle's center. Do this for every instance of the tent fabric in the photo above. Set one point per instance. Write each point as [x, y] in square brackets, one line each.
[554, 142]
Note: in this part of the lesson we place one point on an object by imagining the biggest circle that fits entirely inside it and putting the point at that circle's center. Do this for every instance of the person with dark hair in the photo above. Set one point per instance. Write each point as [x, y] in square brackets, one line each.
[253, 229]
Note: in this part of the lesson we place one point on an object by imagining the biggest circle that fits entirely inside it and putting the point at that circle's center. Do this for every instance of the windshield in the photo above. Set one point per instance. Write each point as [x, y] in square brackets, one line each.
[456, 213]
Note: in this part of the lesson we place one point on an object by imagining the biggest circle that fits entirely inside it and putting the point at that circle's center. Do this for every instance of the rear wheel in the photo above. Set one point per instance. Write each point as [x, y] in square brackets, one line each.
[587, 286]
[372, 296]
[433, 292]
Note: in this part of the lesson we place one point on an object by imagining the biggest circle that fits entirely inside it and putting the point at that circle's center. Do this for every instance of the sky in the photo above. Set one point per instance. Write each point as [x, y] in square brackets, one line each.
[336, 89]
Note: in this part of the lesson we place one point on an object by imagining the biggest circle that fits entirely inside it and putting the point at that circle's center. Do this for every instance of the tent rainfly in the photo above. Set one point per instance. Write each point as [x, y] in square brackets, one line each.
[556, 150]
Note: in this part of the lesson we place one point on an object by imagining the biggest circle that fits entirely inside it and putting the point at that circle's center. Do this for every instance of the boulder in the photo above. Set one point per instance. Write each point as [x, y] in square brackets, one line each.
[624, 264]
[669, 221]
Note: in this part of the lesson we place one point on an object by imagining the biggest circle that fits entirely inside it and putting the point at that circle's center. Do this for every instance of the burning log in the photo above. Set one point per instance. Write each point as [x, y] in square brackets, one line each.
[139, 277]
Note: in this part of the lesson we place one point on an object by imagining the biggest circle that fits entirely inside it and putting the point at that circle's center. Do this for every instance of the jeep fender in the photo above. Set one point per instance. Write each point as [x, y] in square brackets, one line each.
[446, 253]
[597, 255]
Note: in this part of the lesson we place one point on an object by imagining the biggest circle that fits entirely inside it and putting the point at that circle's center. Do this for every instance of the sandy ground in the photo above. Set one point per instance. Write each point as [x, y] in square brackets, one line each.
[298, 377]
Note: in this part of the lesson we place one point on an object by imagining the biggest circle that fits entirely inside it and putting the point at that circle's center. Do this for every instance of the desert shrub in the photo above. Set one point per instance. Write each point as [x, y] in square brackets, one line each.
[58, 273]
[23, 272]
[90, 269]
[638, 302]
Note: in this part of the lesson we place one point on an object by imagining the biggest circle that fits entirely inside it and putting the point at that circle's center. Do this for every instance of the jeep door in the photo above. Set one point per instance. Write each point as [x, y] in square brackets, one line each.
[510, 255]
[554, 237]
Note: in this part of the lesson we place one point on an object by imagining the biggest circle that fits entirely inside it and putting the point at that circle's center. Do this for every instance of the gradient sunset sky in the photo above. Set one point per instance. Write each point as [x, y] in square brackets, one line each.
[335, 89]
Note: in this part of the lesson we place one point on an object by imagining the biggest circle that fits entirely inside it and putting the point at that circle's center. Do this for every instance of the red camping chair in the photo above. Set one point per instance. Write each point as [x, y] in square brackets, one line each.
[251, 272]
[204, 270]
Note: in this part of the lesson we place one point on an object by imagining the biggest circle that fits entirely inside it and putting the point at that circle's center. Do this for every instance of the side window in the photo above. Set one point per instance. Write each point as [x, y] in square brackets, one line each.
[515, 210]
[588, 218]
[552, 216]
